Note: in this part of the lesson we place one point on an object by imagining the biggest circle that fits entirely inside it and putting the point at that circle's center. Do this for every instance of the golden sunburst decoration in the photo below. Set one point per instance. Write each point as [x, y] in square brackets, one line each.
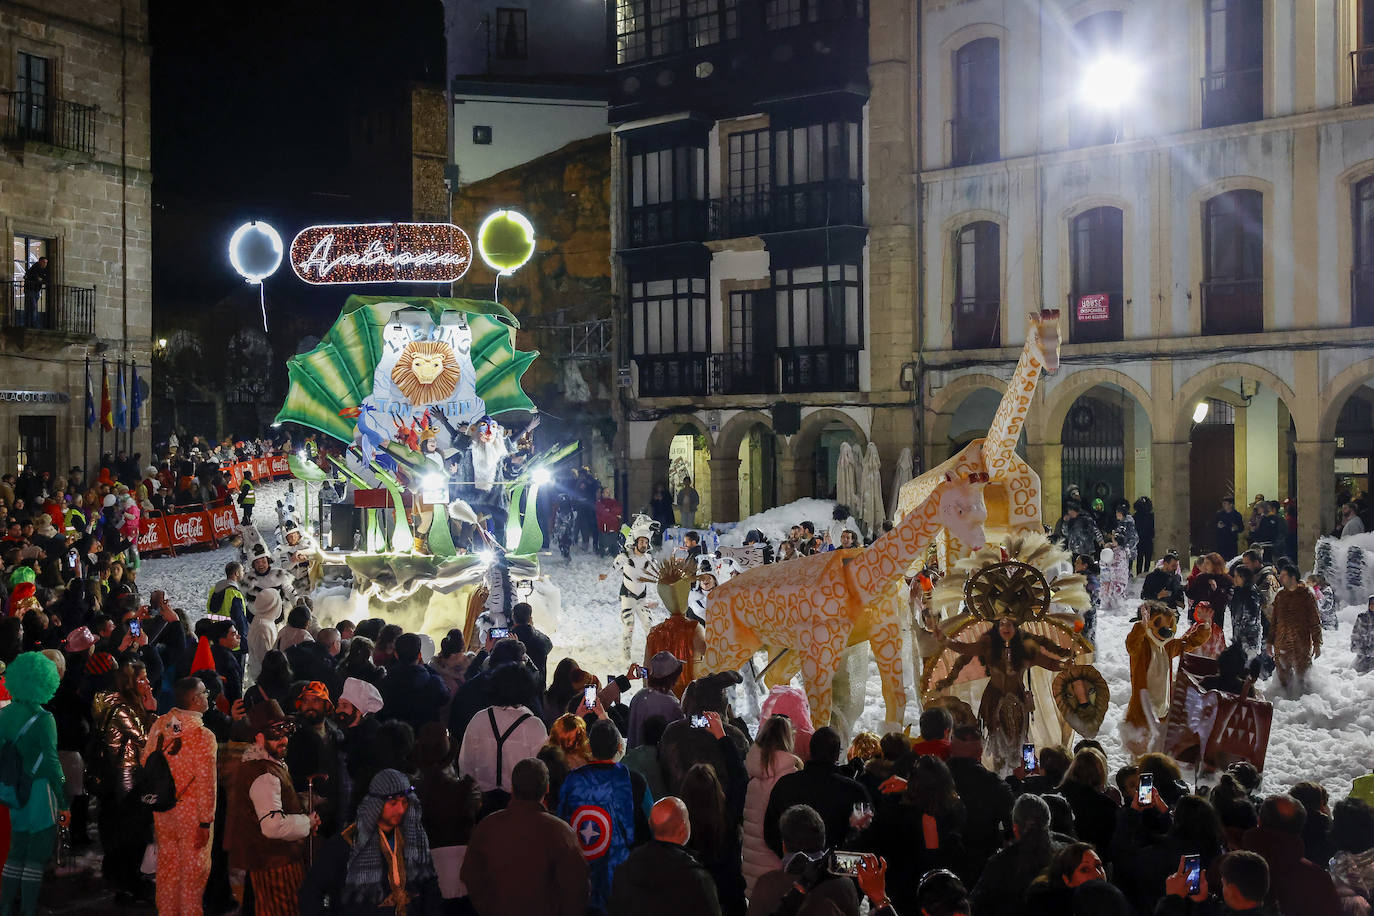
[427, 372]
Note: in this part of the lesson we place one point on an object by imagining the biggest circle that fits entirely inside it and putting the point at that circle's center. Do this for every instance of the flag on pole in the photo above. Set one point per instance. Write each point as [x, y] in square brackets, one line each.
[136, 397]
[90, 399]
[121, 414]
[106, 410]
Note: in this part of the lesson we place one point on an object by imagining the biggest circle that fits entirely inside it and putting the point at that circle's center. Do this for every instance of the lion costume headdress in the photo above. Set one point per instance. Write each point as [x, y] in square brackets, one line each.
[427, 372]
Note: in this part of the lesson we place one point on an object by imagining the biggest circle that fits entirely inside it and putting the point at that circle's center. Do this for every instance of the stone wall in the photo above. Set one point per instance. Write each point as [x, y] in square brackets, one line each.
[94, 206]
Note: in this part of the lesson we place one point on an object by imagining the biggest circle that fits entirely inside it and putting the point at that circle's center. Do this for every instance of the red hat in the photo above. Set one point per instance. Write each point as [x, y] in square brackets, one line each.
[205, 657]
[21, 592]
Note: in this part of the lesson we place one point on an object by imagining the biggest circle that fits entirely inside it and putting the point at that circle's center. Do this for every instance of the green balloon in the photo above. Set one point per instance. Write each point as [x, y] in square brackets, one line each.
[505, 241]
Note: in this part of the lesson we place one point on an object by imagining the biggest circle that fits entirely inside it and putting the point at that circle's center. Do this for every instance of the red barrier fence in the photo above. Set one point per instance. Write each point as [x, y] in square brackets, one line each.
[209, 525]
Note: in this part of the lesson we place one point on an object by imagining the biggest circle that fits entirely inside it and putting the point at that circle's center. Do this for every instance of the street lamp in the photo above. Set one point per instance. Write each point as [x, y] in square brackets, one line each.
[1108, 82]
[1200, 412]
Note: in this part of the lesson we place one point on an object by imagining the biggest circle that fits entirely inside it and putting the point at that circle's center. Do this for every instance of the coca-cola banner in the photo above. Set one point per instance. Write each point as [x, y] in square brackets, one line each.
[233, 476]
[152, 536]
[190, 528]
[223, 521]
[278, 466]
[262, 469]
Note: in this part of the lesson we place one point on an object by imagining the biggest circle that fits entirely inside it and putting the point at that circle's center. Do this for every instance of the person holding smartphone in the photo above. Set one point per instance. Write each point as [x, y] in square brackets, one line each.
[1244, 888]
[656, 698]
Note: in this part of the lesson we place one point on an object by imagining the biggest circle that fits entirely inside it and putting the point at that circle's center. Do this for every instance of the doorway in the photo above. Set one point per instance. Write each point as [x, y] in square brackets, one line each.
[38, 444]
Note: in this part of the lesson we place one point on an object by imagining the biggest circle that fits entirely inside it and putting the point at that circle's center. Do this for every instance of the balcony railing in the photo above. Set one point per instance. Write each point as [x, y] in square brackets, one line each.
[64, 309]
[819, 369]
[975, 139]
[1089, 322]
[1362, 73]
[977, 323]
[675, 375]
[1232, 306]
[1362, 296]
[38, 118]
[664, 224]
[744, 373]
[803, 206]
[1232, 97]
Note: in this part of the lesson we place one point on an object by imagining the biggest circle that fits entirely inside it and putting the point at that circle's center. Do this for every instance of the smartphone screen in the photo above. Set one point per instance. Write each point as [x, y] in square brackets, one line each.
[1192, 870]
[847, 863]
[637, 672]
[135, 628]
[589, 696]
[500, 632]
[700, 722]
[1028, 756]
[1146, 792]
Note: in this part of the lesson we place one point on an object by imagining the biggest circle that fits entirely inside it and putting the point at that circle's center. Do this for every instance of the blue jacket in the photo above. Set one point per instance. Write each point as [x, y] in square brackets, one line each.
[599, 801]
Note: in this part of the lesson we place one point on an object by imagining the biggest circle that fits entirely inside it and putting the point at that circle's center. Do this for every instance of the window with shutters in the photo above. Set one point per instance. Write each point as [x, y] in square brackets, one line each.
[977, 306]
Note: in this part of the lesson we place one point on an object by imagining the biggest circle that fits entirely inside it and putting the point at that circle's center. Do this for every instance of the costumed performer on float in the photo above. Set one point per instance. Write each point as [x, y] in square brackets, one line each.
[637, 569]
[1017, 620]
[484, 468]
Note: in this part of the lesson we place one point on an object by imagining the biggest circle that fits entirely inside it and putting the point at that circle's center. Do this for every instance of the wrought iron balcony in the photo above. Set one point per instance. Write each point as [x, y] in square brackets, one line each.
[1232, 97]
[667, 223]
[786, 209]
[819, 369]
[673, 375]
[1362, 75]
[62, 309]
[744, 373]
[44, 119]
[977, 323]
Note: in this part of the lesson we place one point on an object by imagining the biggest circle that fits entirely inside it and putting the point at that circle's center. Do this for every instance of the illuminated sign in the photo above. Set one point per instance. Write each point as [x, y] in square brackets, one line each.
[381, 253]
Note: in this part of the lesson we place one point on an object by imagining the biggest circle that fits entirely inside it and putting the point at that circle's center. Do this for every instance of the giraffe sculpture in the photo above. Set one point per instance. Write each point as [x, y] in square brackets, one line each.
[819, 605]
[1013, 491]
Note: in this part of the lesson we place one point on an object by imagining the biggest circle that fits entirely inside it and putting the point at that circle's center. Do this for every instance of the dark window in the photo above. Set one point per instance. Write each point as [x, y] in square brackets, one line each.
[666, 194]
[631, 31]
[977, 303]
[1362, 277]
[817, 176]
[1233, 257]
[512, 39]
[750, 164]
[1362, 58]
[977, 105]
[749, 366]
[711, 21]
[785, 14]
[670, 335]
[481, 134]
[819, 315]
[34, 87]
[1097, 42]
[1233, 89]
[1096, 300]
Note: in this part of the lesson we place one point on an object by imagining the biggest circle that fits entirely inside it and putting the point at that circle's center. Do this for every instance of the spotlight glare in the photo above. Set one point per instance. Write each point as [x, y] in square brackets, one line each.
[541, 476]
[432, 482]
[486, 557]
[1200, 412]
[1108, 82]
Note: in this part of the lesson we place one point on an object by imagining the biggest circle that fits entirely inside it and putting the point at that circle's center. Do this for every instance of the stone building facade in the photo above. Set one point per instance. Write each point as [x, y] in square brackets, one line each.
[1191, 183]
[76, 171]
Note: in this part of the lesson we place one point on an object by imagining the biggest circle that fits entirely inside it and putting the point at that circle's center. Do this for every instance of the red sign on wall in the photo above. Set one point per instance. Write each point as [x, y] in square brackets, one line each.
[223, 521]
[1094, 307]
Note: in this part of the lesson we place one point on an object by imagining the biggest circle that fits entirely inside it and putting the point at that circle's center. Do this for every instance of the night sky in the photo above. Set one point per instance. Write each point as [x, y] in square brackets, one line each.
[252, 104]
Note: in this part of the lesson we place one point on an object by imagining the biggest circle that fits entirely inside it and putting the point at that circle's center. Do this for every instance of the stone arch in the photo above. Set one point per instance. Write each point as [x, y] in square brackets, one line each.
[1338, 391]
[1063, 395]
[813, 423]
[1305, 422]
[945, 402]
[661, 436]
[736, 428]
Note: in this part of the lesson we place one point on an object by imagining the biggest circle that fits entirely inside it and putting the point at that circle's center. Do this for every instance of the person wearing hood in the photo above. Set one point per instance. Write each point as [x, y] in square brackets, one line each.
[184, 832]
[32, 680]
[412, 691]
[380, 863]
[262, 632]
[261, 574]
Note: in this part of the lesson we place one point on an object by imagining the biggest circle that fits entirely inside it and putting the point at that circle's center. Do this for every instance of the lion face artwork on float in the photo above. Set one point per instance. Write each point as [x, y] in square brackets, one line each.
[425, 368]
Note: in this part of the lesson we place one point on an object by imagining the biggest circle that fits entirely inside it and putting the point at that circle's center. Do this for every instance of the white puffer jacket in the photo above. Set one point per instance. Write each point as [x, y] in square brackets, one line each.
[758, 858]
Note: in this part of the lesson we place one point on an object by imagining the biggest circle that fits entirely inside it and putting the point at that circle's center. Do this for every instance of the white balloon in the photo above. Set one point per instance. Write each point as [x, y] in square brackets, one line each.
[255, 251]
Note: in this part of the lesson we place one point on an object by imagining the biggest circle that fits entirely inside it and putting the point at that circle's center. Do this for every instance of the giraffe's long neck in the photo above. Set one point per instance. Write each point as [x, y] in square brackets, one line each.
[887, 558]
[1011, 413]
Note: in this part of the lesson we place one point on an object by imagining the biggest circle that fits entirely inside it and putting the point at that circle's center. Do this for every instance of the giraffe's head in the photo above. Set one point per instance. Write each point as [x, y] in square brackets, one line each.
[1043, 337]
[962, 510]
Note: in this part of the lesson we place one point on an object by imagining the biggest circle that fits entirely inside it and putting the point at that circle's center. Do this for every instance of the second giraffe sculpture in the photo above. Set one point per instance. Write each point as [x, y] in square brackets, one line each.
[1013, 494]
[818, 606]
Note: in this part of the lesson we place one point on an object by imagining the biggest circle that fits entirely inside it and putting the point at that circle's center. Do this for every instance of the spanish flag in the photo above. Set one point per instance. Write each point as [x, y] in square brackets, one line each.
[106, 407]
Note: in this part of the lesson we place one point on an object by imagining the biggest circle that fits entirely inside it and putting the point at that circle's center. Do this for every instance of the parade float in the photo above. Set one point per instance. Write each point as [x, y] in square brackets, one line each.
[437, 475]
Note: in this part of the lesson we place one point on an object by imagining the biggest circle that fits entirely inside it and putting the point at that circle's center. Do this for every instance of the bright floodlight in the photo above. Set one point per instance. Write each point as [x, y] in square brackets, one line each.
[255, 251]
[432, 482]
[541, 476]
[1200, 412]
[301, 454]
[1109, 82]
[486, 557]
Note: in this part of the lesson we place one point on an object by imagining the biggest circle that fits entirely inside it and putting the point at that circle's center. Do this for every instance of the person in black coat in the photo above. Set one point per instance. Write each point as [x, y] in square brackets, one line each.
[989, 820]
[537, 645]
[1094, 812]
[1227, 528]
[476, 694]
[820, 786]
[412, 691]
[662, 877]
[1001, 889]
[1163, 583]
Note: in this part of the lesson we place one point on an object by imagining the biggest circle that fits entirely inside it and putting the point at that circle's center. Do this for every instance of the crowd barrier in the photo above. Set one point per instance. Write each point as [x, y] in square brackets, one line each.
[209, 525]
